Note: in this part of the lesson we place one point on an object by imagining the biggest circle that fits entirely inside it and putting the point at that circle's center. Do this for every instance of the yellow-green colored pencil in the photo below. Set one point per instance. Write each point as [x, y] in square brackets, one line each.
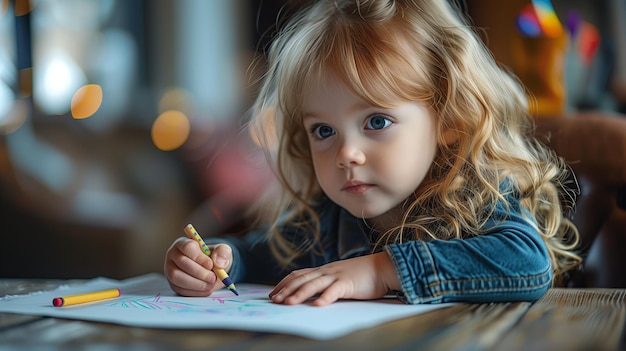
[221, 274]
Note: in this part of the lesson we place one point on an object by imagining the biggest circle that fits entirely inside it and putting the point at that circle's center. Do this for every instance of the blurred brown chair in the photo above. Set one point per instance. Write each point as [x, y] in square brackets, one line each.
[594, 145]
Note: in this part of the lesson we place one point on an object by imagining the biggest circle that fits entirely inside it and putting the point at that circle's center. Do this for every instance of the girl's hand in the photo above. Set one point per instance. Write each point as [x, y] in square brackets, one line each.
[190, 272]
[363, 278]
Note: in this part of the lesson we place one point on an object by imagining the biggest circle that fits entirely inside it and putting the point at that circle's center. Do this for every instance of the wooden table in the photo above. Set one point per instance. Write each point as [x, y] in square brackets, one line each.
[564, 319]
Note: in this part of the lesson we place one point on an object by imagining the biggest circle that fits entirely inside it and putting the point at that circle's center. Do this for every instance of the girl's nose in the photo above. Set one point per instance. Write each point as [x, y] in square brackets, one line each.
[349, 155]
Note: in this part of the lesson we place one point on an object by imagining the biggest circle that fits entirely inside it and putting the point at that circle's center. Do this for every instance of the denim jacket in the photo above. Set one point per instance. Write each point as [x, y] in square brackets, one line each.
[508, 263]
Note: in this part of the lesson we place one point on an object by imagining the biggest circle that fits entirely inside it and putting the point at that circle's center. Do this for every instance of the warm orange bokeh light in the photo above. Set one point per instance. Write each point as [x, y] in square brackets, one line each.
[86, 101]
[170, 130]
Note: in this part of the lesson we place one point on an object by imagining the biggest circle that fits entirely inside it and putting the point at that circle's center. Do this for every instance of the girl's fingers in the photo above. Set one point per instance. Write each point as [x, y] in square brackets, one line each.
[191, 267]
[286, 281]
[302, 288]
[190, 249]
[188, 269]
[222, 255]
[187, 285]
[331, 294]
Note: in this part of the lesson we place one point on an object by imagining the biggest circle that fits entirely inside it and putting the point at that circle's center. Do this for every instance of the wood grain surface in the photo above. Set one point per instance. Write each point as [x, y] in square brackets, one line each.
[564, 319]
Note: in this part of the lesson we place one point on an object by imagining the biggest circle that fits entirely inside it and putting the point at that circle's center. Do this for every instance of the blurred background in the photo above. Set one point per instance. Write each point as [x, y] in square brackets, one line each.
[120, 121]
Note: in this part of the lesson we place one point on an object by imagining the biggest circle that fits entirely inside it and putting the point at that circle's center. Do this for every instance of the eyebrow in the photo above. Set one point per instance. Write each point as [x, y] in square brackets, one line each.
[355, 107]
[308, 115]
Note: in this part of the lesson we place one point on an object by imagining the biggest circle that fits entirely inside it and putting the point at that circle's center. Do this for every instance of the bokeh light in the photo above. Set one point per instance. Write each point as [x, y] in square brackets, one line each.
[55, 82]
[170, 130]
[86, 101]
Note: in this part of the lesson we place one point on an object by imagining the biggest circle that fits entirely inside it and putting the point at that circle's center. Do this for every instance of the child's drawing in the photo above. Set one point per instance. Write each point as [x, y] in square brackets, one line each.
[147, 301]
[251, 302]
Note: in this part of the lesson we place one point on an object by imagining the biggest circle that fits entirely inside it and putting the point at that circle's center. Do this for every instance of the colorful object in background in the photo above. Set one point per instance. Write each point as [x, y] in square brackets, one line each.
[538, 18]
[585, 37]
[574, 22]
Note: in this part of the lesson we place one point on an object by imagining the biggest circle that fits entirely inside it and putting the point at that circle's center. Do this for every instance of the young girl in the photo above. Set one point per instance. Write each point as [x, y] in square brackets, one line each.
[405, 163]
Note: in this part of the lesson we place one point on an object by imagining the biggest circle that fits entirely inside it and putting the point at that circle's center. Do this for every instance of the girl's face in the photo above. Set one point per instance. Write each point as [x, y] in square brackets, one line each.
[367, 159]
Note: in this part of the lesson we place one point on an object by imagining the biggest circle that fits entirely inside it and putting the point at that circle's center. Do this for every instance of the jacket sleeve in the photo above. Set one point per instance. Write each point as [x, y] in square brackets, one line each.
[510, 262]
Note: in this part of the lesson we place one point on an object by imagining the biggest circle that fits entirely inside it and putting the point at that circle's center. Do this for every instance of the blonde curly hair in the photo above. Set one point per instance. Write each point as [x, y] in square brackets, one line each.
[413, 50]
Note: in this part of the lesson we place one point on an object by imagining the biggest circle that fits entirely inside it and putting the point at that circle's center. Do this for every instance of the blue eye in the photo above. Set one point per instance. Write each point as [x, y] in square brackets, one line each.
[378, 122]
[322, 131]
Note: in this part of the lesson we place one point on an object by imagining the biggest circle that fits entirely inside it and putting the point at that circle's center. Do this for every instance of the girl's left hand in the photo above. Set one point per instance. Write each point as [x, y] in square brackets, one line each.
[363, 278]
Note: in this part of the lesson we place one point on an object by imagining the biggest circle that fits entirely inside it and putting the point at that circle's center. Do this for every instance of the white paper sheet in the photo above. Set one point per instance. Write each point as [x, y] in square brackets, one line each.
[147, 301]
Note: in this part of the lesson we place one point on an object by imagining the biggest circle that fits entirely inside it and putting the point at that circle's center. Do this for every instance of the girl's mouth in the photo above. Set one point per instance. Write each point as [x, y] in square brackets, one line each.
[356, 187]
